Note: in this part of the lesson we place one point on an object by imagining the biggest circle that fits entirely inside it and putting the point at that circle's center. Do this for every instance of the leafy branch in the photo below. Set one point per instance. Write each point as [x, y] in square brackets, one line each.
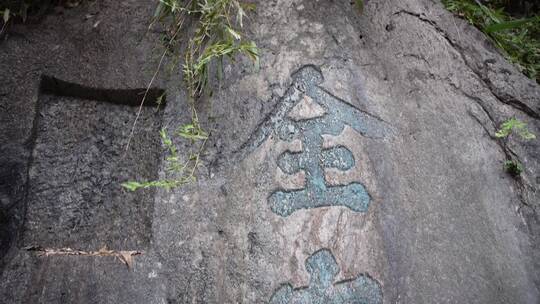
[217, 35]
[183, 168]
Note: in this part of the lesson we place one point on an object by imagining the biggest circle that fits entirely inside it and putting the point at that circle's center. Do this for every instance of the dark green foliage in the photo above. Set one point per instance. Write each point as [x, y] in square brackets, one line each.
[22, 10]
[518, 38]
[521, 8]
[513, 168]
[216, 35]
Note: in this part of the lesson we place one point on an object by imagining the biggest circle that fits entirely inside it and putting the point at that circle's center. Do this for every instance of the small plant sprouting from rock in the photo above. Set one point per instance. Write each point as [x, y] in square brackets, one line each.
[217, 35]
[509, 127]
[182, 167]
[513, 168]
[514, 125]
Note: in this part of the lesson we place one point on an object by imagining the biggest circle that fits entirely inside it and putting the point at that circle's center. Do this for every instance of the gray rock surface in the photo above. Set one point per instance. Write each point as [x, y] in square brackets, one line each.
[74, 197]
[441, 221]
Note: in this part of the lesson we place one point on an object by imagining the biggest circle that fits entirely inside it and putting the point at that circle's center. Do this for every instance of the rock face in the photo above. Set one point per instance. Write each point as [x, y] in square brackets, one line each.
[358, 165]
[75, 174]
[322, 269]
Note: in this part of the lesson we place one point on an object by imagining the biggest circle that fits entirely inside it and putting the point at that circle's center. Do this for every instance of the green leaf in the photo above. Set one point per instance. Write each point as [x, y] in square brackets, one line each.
[503, 132]
[515, 168]
[220, 71]
[234, 33]
[248, 6]
[165, 138]
[514, 124]
[359, 5]
[192, 132]
[525, 134]
[240, 15]
[159, 9]
[507, 25]
[132, 185]
[253, 52]
[6, 15]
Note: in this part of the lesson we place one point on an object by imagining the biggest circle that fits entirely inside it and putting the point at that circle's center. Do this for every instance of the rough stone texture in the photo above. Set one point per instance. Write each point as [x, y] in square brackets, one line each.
[322, 269]
[113, 54]
[445, 223]
[316, 156]
[78, 162]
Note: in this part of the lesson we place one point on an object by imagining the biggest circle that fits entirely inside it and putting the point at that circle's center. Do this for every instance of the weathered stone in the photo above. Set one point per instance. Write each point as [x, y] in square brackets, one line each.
[322, 114]
[322, 268]
[78, 162]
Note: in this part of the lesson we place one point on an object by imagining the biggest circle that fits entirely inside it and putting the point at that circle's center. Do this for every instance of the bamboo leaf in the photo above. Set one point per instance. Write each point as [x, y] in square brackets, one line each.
[159, 9]
[234, 33]
[240, 15]
[508, 25]
[132, 185]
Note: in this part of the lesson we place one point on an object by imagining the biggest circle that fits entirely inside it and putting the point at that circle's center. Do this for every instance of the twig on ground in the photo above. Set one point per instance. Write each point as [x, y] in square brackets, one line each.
[125, 256]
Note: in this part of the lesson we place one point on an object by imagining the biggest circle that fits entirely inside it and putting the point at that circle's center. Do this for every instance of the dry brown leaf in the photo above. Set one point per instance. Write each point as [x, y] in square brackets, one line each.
[125, 256]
